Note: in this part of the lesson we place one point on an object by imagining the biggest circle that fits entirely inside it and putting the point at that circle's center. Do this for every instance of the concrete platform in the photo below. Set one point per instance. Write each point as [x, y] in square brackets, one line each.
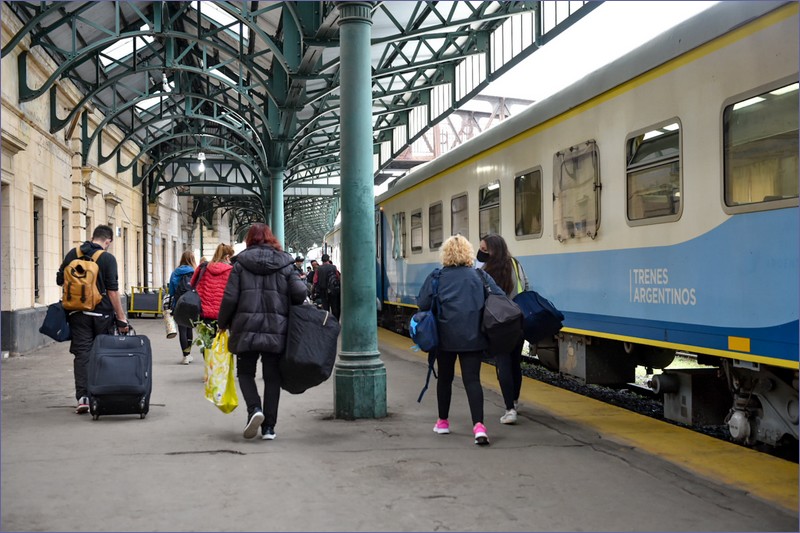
[186, 466]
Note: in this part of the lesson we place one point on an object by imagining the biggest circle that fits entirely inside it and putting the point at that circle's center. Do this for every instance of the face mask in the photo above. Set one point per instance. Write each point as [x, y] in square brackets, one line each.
[482, 256]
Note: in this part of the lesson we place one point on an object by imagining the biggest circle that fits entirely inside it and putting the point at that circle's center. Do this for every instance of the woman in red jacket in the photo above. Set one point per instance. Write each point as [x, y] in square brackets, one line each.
[210, 279]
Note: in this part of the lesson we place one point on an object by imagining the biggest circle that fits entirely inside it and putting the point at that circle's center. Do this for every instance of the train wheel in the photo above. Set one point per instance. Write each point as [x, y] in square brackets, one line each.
[649, 356]
[547, 354]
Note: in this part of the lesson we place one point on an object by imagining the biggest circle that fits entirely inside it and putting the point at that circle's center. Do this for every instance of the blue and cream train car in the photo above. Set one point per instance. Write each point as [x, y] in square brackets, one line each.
[655, 202]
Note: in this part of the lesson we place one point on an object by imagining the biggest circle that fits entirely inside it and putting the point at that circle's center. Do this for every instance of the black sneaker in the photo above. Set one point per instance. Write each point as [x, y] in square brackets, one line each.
[268, 434]
[253, 424]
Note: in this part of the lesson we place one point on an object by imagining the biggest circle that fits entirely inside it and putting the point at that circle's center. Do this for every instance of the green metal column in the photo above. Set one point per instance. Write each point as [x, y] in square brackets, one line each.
[277, 203]
[359, 374]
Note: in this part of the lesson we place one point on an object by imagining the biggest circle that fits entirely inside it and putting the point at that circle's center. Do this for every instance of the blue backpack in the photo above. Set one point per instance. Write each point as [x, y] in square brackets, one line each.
[425, 333]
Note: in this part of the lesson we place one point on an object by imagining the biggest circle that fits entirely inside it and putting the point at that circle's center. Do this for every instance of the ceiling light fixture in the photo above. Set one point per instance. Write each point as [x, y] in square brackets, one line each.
[201, 157]
[165, 82]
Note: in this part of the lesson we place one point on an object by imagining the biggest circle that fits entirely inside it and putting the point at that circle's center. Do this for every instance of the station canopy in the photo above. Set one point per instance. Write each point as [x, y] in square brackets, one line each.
[218, 96]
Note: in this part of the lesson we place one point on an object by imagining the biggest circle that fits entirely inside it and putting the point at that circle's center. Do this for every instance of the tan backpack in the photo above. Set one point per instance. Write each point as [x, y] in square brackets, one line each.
[80, 291]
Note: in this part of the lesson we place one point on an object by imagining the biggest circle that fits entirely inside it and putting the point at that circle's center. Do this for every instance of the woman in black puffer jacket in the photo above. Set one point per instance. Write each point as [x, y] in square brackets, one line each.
[255, 307]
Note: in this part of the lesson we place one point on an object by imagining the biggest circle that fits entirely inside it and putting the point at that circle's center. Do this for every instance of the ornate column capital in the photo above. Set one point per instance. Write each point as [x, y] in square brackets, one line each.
[355, 12]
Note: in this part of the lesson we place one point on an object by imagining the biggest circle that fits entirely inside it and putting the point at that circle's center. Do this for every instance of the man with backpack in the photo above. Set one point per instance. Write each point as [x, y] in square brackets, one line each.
[327, 283]
[90, 295]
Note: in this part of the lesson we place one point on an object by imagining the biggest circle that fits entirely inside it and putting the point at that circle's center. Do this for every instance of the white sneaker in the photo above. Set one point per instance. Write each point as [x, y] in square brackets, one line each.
[253, 425]
[83, 405]
[187, 359]
[510, 417]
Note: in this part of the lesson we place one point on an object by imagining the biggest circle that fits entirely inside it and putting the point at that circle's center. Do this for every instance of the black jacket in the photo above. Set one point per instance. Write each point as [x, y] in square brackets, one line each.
[255, 306]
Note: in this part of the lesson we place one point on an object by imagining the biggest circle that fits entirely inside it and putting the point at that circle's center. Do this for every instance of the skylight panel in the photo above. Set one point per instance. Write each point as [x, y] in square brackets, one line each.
[218, 74]
[222, 18]
[124, 48]
[149, 103]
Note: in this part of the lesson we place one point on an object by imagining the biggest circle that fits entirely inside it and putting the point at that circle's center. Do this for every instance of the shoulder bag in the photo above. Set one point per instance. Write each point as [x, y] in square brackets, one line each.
[502, 320]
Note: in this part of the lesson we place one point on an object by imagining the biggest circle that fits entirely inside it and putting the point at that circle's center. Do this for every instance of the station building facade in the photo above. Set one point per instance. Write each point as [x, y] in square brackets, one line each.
[51, 202]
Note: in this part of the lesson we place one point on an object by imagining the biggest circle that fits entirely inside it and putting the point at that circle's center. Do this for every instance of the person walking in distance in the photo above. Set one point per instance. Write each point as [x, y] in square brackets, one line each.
[209, 280]
[310, 282]
[255, 308]
[103, 317]
[298, 264]
[509, 276]
[179, 284]
[327, 283]
[461, 298]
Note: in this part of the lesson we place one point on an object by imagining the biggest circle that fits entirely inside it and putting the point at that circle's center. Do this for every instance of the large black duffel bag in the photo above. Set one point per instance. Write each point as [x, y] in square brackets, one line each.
[188, 309]
[310, 348]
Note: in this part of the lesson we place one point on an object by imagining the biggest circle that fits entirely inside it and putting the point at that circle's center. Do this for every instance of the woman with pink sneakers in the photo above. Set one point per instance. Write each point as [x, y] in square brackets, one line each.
[461, 297]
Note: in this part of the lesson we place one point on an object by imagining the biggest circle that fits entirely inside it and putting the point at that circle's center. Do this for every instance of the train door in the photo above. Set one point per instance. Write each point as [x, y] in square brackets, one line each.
[380, 289]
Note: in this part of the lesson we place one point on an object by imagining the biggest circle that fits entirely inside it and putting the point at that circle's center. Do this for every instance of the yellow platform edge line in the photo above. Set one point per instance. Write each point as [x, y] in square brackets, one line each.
[763, 476]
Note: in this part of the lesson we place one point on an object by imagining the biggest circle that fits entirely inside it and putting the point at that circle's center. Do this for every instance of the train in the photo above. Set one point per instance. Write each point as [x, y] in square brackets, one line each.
[655, 203]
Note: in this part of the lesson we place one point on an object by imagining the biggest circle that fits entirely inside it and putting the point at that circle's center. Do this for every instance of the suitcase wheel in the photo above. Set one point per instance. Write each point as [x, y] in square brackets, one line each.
[94, 408]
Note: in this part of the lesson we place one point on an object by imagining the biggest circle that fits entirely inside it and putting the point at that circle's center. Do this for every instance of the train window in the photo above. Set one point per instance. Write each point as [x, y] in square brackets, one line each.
[459, 216]
[435, 229]
[576, 192]
[760, 138]
[489, 209]
[653, 160]
[528, 204]
[399, 235]
[416, 231]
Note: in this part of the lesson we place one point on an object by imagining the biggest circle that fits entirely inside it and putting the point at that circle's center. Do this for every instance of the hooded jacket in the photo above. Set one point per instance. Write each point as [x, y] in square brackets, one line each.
[255, 306]
[210, 280]
[182, 270]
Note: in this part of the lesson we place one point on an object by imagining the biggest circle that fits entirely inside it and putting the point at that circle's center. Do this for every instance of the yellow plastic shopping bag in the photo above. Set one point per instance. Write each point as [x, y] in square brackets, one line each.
[220, 384]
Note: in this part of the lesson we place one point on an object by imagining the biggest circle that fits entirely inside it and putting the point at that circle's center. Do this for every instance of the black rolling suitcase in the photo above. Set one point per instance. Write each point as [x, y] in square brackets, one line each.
[120, 375]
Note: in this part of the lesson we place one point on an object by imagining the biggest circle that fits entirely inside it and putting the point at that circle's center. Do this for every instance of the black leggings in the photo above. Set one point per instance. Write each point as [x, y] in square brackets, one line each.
[246, 363]
[185, 336]
[509, 374]
[470, 375]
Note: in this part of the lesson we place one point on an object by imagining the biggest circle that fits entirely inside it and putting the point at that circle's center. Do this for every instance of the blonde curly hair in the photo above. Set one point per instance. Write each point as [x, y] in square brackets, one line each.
[457, 251]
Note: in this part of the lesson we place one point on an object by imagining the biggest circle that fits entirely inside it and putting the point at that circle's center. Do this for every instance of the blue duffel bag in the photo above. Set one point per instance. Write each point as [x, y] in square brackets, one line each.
[541, 320]
[56, 325]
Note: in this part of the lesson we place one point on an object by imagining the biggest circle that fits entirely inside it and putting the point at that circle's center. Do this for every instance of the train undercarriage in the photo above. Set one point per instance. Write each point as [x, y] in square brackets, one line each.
[758, 403]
